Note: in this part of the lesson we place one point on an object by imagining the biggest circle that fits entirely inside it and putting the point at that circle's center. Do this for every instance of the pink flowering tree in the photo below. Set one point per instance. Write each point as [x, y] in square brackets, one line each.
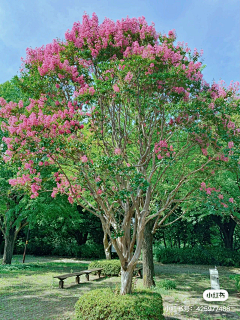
[125, 124]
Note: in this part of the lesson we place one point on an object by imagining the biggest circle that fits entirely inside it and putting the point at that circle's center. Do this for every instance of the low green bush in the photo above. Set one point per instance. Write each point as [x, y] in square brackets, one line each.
[236, 278]
[102, 304]
[110, 267]
[197, 255]
[166, 284]
[17, 267]
[92, 249]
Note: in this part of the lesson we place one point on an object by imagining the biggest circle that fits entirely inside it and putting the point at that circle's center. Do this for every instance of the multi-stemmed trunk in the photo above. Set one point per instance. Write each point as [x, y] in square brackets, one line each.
[147, 256]
[128, 243]
[9, 238]
[128, 260]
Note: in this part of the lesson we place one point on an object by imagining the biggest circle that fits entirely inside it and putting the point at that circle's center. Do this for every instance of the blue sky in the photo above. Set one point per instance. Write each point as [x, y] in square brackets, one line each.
[211, 25]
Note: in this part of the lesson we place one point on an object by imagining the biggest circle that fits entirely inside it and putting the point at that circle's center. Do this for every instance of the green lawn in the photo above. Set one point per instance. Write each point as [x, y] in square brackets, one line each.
[29, 291]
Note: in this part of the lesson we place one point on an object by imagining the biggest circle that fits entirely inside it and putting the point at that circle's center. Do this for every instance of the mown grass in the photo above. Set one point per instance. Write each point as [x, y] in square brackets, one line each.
[29, 291]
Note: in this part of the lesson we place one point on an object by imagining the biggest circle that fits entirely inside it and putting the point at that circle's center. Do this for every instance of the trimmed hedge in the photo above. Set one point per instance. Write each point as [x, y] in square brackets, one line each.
[110, 267]
[198, 255]
[102, 304]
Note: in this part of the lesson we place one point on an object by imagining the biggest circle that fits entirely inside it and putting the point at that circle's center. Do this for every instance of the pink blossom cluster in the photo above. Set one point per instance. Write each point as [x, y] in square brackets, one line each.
[116, 88]
[204, 151]
[172, 34]
[217, 90]
[33, 182]
[128, 77]
[38, 125]
[93, 35]
[178, 89]
[117, 151]
[120, 34]
[210, 191]
[162, 149]
[222, 157]
[84, 89]
[84, 159]
[230, 144]
[97, 37]
[49, 59]
[67, 186]
[20, 180]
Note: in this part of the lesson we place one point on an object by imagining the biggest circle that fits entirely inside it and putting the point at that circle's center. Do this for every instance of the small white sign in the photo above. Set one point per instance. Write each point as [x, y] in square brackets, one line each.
[113, 249]
[215, 295]
[214, 279]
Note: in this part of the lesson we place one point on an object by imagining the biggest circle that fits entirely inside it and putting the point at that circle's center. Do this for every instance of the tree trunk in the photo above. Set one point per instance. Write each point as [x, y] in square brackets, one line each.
[227, 230]
[126, 281]
[147, 256]
[9, 238]
[107, 246]
[164, 241]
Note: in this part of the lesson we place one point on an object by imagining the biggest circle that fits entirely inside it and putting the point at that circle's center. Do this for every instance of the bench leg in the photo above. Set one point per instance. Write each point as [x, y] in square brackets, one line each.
[87, 276]
[61, 282]
[77, 279]
[99, 273]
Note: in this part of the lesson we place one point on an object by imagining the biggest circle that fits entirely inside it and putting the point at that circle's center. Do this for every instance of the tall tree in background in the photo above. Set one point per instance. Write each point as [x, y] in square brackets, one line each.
[126, 123]
[13, 216]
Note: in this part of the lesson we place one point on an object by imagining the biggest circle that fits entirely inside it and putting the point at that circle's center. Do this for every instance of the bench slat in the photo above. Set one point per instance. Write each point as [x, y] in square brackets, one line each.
[67, 275]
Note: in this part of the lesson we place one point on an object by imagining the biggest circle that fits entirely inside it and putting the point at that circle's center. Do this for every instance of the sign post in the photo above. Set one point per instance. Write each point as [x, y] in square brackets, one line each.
[214, 279]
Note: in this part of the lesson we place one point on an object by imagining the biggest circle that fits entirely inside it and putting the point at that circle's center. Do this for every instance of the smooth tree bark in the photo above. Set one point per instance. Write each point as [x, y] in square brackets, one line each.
[126, 280]
[147, 256]
[107, 246]
[9, 239]
[226, 229]
[10, 235]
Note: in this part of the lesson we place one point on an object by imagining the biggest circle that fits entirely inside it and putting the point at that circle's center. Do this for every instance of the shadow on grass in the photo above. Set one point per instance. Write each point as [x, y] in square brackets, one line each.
[45, 303]
[89, 283]
[47, 307]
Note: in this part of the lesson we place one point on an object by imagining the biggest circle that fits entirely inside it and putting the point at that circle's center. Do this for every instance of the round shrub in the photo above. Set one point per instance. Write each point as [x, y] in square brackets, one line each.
[110, 267]
[104, 304]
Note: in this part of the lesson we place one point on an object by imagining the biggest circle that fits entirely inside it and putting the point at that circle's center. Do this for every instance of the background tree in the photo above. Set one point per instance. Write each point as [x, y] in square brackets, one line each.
[60, 229]
[11, 91]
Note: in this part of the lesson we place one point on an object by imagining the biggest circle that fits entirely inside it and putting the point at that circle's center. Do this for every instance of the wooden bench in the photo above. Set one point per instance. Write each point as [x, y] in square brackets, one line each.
[77, 275]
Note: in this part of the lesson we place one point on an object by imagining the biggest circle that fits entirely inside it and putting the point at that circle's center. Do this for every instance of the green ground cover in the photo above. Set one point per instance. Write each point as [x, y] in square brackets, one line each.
[29, 291]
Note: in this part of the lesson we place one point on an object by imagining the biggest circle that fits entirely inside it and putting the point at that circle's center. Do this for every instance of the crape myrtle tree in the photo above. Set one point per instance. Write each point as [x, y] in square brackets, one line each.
[126, 124]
